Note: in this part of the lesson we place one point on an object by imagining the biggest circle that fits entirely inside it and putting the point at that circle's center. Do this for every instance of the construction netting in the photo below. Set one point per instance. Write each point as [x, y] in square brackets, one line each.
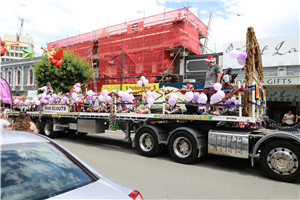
[146, 44]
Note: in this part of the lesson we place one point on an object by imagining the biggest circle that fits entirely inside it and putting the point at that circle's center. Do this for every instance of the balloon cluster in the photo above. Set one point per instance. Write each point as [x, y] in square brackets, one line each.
[127, 95]
[151, 97]
[143, 80]
[286, 128]
[77, 87]
[173, 99]
[240, 55]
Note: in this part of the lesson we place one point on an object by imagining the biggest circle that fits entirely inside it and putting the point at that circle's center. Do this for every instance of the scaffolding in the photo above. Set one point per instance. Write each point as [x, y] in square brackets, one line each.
[148, 44]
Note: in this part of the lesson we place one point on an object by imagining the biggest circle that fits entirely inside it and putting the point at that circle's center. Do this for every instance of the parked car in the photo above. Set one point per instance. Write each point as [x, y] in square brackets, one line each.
[36, 167]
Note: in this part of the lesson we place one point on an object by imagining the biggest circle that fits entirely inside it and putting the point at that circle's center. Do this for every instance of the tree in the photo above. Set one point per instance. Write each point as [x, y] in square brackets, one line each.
[73, 70]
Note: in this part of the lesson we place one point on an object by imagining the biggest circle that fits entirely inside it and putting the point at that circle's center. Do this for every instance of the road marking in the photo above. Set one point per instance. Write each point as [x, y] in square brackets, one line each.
[100, 144]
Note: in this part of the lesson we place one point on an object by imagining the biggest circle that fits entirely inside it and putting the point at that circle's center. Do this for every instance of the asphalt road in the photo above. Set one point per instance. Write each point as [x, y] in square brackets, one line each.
[210, 177]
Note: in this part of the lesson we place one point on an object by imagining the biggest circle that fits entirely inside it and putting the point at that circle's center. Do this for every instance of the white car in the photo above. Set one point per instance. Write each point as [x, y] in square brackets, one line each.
[36, 167]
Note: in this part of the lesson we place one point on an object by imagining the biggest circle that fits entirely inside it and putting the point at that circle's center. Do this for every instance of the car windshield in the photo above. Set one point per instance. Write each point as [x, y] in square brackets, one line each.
[38, 171]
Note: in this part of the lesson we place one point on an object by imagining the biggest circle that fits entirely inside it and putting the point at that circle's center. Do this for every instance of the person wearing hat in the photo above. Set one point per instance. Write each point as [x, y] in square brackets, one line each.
[227, 79]
[46, 89]
[213, 76]
[189, 87]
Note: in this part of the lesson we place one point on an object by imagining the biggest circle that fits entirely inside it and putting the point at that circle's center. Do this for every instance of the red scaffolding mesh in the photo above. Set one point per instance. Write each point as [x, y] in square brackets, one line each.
[145, 43]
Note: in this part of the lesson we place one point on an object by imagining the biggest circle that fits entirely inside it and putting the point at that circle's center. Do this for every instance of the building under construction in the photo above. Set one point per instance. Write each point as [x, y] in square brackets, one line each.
[150, 47]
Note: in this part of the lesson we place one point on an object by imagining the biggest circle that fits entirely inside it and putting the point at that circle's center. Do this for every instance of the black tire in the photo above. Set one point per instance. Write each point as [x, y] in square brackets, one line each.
[147, 143]
[183, 148]
[39, 126]
[280, 160]
[48, 129]
[70, 131]
[80, 133]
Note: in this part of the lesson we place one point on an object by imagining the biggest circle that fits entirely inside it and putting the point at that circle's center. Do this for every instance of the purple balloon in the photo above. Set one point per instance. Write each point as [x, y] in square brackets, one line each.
[234, 54]
[43, 96]
[48, 96]
[228, 101]
[37, 102]
[150, 100]
[90, 97]
[196, 95]
[172, 102]
[233, 99]
[174, 96]
[54, 96]
[21, 103]
[153, 95]
[241, 62]
[76, 99]
[65, 98]
[51, 100]
[243, 55]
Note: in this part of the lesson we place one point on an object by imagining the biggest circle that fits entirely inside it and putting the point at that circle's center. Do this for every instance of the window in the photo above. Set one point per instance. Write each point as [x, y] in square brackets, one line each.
[19, 76]
[21, 54]
[7, 53]
[31, 77]
[17, 54]
[2, 59]
[12, 54]
[9, 78]
[12, 48]
[17, 48]
[38, 171]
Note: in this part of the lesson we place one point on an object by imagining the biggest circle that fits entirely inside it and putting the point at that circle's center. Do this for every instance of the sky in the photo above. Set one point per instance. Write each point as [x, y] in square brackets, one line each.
[52, 20]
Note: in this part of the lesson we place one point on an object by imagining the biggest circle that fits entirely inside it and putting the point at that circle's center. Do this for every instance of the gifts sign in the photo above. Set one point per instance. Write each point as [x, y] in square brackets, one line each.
[5, 92]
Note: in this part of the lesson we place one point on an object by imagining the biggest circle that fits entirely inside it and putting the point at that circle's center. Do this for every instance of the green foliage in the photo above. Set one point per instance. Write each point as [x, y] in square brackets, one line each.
[73, 70]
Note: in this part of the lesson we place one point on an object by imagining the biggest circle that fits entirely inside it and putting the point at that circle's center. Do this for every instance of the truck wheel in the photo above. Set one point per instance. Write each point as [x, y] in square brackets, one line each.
[183, 148]
[147, 143]
[48, 129]
[280, 160]
[38, 125]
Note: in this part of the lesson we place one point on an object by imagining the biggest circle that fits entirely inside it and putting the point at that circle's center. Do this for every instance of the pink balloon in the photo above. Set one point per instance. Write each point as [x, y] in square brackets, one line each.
[220, 94]
[243, 55]
[108, 98]
[153, 95]
[217, 86]
[37, 102]
[101, 98]
[105, 93]
[21, 103]
[65, 98]
[188, 96]
[150, 100]
[241, 62]
[149, 93]
[120, 93]
[196, 95]
[172, 102]
[45, 101]
[90, 97]
[51, 100]
[74, 95]
[139, 83]
[43, 96]
[174, 96]
[202, 98]
[234, 54]
[77, 89]
[54, 96]
[236, 102]
[48, 96]
[90, 93]
[214, 98]
[145, 81]
[233, 99]
[76, 99]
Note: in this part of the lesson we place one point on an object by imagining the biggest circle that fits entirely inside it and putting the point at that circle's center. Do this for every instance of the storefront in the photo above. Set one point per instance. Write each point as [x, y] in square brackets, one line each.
[280, 59]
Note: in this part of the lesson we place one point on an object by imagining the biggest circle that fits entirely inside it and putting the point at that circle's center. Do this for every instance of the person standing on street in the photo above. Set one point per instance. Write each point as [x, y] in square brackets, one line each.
[46, 89]
[3, 123]
[24, 123]
[213, 76]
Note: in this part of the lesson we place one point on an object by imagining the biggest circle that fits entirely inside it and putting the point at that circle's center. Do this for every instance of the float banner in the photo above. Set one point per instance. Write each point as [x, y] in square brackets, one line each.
[134, 87]
[56, 108]
[5, 92]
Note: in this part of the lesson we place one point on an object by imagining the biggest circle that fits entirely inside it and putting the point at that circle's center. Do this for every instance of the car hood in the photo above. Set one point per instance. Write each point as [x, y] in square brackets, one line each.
[101, 189]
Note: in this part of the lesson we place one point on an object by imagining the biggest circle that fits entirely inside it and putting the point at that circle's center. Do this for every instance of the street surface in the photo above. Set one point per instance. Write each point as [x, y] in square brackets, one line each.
[210, 177]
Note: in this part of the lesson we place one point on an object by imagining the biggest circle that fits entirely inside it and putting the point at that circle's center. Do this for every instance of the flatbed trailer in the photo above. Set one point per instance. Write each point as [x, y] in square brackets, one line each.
[187, 137]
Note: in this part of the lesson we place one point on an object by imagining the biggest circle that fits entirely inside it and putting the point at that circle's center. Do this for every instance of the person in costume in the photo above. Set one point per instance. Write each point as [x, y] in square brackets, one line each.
[4, 47]
[55, 57]
[46, 89]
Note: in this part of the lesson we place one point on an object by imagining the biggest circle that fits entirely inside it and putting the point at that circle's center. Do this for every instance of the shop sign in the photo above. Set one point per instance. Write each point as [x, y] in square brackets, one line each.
[134, 87]
[283, 95]
[275, 51]
[273, 80]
